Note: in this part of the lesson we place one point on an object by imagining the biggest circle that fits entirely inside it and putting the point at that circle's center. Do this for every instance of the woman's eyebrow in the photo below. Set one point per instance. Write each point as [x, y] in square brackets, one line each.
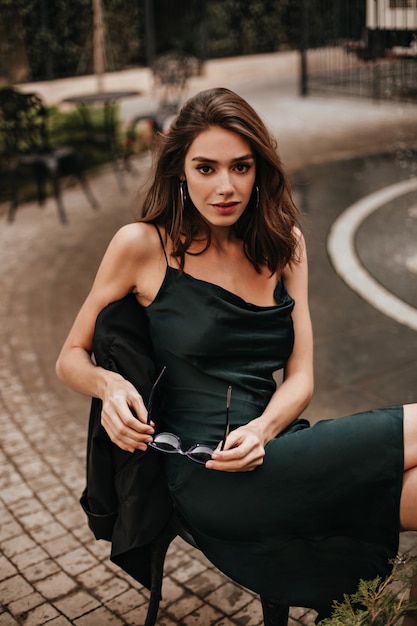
[202, 159]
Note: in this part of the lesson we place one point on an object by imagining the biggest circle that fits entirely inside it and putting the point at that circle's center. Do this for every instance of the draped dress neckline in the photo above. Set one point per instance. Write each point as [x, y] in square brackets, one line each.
[222, 292]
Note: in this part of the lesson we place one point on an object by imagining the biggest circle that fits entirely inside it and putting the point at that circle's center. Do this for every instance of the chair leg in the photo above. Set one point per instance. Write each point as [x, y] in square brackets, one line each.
[274, 614]
[12, 211]
[158, 553]
[58, 198]
[87, 191]
[13, 188]
[82, 179]
[39, 170]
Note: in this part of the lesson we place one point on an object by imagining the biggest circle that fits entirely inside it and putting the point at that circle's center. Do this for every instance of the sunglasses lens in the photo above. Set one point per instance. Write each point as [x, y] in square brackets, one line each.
[166, 442]
[200, 453]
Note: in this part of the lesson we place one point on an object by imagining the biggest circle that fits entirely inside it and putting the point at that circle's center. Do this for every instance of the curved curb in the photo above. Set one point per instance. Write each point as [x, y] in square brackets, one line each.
[341, 249]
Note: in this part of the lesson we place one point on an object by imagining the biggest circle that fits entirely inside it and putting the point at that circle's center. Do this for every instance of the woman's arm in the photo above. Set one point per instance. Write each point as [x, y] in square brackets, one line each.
[119, 273]
[296, 390]
[244, 448]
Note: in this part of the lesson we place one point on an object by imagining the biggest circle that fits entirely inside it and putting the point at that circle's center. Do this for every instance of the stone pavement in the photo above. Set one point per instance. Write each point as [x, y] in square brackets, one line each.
[52, 571]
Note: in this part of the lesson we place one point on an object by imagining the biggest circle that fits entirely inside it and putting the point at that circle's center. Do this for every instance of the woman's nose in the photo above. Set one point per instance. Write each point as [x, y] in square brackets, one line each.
[224, 184]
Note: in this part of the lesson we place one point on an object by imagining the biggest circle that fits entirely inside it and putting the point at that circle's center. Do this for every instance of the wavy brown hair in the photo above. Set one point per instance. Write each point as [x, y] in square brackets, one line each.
[267, 227]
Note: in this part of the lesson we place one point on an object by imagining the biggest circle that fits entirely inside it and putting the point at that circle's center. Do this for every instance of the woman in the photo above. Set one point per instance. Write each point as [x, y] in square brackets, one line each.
[218, 261]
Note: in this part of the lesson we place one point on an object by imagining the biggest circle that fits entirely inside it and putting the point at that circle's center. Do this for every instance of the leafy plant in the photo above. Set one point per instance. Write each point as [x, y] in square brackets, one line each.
[378, 602]
[87, 136]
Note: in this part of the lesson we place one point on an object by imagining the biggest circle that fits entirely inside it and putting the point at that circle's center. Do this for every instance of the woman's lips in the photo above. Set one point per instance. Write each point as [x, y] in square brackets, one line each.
[225, 207]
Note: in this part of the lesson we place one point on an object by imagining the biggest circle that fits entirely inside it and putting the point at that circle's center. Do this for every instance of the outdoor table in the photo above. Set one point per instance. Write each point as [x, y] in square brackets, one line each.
[108, 99]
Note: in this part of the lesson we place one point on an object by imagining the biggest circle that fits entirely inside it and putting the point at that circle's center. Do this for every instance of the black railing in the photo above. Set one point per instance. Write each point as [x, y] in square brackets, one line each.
[348, 57]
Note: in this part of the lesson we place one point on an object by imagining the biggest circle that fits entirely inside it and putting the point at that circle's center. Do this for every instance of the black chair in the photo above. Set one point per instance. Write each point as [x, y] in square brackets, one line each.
[25, 140]
[170, 72]
[274, 615]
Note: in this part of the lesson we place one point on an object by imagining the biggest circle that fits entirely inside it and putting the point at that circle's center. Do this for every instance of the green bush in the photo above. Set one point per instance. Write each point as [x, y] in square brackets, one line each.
[86, 134]
[379, 602]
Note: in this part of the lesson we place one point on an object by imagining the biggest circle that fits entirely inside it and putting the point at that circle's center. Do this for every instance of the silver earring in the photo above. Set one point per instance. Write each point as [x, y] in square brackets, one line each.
[257, 197]
[183, 193]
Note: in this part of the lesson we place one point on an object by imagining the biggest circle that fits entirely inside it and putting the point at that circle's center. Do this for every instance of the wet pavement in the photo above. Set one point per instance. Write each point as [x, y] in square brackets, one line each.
[52, 571]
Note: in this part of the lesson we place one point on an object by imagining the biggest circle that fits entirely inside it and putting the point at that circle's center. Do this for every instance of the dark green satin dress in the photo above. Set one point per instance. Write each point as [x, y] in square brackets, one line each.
[323, 509]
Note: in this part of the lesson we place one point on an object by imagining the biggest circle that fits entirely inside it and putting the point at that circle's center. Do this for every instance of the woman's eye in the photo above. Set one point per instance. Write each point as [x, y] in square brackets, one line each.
[204, 169]
[242, 167]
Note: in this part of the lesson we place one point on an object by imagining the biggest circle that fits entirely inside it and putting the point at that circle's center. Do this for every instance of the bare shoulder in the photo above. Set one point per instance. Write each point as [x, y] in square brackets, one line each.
[135, 261]
[138, 240]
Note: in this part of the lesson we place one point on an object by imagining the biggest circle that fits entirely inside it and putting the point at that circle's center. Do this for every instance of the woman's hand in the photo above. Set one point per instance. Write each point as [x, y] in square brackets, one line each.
[124, 416]
[243, 451]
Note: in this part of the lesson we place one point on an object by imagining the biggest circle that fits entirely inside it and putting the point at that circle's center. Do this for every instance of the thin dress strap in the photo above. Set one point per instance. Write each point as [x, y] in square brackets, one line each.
[162, 242]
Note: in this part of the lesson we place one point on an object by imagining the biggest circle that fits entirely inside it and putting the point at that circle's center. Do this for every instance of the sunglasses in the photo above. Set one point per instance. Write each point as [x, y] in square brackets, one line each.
[171, 444]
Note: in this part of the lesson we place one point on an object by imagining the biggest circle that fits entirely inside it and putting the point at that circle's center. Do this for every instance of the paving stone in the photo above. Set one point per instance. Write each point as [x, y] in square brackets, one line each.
[164, 620]
[206, 614]
[7, 620]
[15, 493]
[17, 545]
[29, 510]
[58, 501]
[9, 476]
[126, 601]
[14, 588]
[61, 545]
[9, 530]
[95, 577]
[101, 550]
[206, 582]
[7, 569]
[28, 558]
[56, 586]
[73, 516]
[40, 570]
[186, 604]
[77, 561]
[84, 536]
[99, 616]
[77, 604]
[111, 588]
[24, 605]
[230, 597]
[35, 519]
[43, 482]
[48, 531]
[187, 568]
[40, 615]
[171, 590]
[249, 615]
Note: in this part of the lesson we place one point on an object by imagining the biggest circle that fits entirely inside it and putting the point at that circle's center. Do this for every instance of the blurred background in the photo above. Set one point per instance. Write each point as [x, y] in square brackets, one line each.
[359, 39]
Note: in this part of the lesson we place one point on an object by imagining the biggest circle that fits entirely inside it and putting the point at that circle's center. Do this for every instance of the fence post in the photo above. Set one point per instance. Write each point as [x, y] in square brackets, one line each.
[304, 47]
[149, 32]
[46, 35]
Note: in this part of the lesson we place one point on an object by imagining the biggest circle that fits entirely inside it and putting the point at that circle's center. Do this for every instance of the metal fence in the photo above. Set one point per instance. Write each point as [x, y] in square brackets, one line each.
[366, 48]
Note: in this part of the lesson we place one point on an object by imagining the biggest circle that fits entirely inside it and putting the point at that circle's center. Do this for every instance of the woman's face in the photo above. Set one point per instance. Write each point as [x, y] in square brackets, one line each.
[220, 172]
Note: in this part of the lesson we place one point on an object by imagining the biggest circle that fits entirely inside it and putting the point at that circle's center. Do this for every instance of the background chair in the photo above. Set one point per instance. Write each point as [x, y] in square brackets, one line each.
[274, 615]
[25, 140]
[171, 73]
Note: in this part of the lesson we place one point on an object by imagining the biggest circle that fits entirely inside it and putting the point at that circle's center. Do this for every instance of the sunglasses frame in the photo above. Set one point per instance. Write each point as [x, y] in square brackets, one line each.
[178, 449]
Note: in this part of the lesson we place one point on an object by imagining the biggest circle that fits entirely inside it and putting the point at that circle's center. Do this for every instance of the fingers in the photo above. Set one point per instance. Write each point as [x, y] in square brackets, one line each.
[124, 417]
[243, 452]
[128, 433]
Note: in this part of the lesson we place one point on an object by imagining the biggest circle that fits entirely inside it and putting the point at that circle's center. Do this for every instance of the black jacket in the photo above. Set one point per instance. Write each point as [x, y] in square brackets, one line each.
[126, 497]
